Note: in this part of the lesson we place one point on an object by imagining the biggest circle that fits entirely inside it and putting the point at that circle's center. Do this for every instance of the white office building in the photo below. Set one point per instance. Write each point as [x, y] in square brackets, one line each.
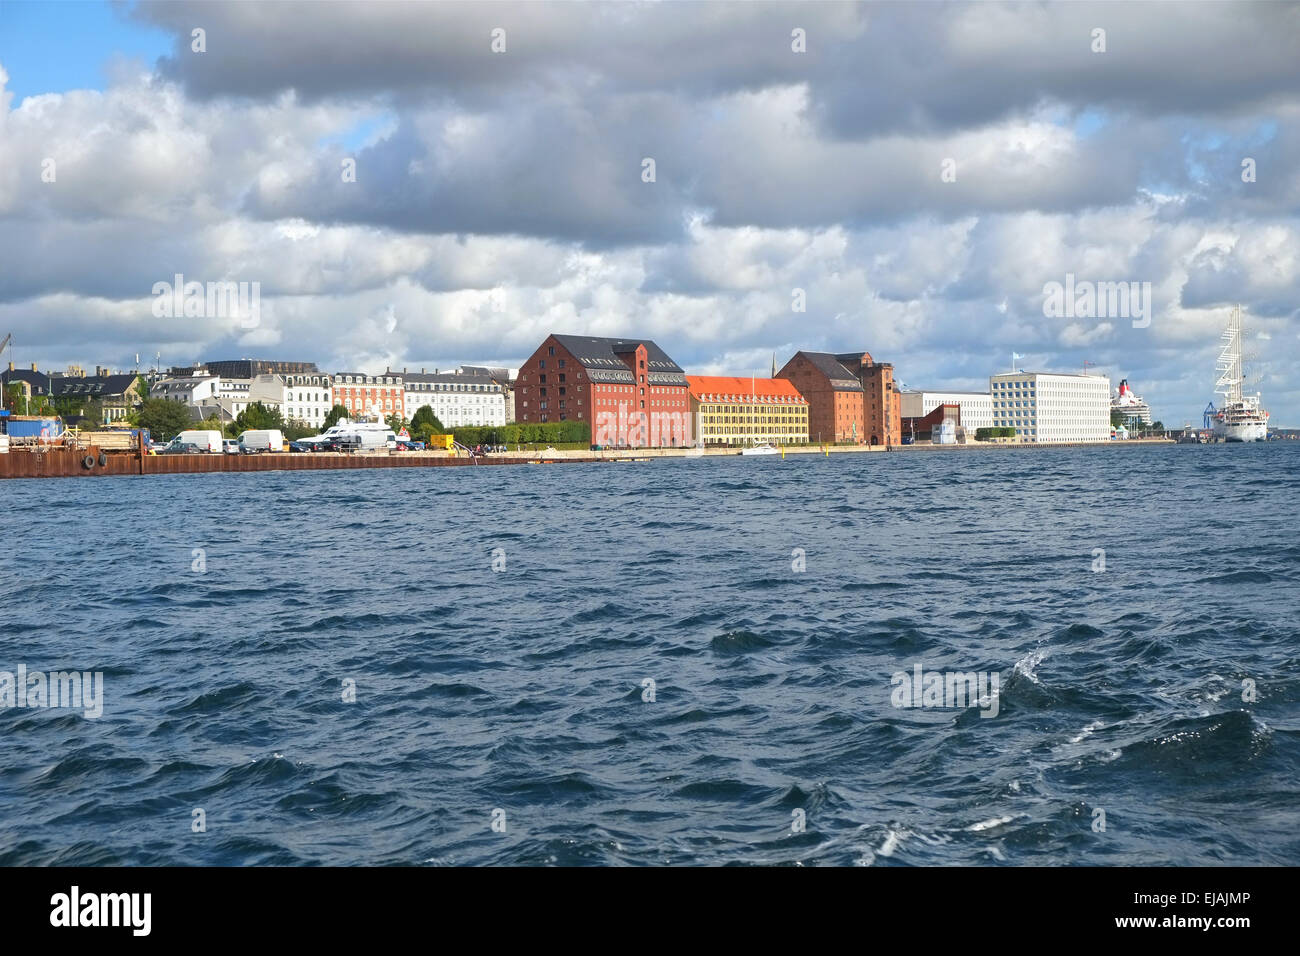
[1052, 406]
[457, 398]
[976, 407]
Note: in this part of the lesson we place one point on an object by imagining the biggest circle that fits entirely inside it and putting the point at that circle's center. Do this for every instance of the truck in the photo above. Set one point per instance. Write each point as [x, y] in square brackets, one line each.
[258, 440]
[208, 440]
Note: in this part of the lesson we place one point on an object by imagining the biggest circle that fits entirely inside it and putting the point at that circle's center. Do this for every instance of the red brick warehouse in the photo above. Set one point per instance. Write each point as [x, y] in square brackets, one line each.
[851, 398]
[628, 390]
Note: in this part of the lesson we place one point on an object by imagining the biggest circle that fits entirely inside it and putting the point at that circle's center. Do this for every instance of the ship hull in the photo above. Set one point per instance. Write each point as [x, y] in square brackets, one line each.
[1241, 431]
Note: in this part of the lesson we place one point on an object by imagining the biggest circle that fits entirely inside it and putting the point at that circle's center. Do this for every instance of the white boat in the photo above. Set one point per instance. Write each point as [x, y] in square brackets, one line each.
[362, 435]
[762, 448]
[1242, 418]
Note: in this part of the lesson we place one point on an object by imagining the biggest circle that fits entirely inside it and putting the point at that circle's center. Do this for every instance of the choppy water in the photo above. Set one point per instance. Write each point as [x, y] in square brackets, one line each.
[523, 689]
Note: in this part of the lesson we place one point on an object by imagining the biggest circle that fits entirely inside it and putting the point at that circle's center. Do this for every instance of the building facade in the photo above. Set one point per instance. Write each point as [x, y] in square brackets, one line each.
[883, 423]
[307, 397]
[504, 377]
[746, 411]
[976, 407]
[456, 398]
[1052, 406]
[833, 393]
[628, 390]
[370, 396]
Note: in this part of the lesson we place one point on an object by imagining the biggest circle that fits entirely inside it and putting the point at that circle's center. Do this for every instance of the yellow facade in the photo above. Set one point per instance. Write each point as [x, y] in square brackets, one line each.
[747, 422]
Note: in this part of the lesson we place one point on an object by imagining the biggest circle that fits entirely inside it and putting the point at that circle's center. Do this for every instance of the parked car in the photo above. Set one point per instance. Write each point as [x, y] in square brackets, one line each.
[182, 448]
[231, 446]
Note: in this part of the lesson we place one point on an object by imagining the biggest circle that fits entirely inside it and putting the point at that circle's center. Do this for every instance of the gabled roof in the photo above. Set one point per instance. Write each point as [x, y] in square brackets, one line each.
[840, 377]
[93, 386]
[600, 358]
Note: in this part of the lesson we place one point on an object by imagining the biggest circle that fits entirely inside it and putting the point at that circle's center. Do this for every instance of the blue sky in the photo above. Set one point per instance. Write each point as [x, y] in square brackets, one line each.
[60, 45]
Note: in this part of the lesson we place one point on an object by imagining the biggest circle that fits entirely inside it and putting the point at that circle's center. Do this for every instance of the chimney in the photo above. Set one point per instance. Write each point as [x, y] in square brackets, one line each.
[34, 368]
[421, 371]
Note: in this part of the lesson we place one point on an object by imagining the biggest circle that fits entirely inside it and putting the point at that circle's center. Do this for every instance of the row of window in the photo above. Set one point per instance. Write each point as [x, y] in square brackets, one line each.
[753, 419]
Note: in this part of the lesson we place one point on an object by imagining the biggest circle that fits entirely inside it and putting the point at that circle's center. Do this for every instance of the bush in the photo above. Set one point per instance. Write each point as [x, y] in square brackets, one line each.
[525, 433]
[984, 434]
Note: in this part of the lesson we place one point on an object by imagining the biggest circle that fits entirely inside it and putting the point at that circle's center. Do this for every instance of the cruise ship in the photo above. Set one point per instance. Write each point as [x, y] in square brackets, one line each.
[1241, 418]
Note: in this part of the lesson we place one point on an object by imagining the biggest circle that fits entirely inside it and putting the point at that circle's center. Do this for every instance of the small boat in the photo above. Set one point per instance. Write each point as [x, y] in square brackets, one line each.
[762, 448]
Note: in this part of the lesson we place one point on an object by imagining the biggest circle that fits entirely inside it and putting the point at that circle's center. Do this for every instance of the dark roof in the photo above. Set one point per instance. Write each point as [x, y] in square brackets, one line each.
[448, 378]
[832, 367]
[493, 372]
[600, 357]
[39, 381]
[93, 385]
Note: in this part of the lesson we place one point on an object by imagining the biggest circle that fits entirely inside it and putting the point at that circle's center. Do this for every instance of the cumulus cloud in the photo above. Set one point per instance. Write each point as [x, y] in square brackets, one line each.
[920, 172]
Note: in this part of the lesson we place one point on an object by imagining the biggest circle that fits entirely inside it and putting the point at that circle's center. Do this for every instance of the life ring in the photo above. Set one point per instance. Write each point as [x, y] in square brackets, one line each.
[88, 462]
[103, 459]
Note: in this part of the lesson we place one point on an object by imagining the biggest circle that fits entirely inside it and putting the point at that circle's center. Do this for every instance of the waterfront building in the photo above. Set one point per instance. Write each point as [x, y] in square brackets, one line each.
[628, 390]
[880, 404]
[833, 393]
[365, 395]
[976, 407]
[729, 410]
[457, 398]
[307, 396]
[1132, 410]
[942, 419]
[504, 377]
[1052, 406]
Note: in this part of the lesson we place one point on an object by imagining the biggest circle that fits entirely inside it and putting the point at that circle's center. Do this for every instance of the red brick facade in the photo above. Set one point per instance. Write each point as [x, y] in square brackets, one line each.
[834, 405]
[627, 391]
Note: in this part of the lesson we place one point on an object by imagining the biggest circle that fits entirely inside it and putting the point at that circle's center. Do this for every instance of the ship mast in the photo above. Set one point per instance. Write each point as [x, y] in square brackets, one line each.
[1229, 365]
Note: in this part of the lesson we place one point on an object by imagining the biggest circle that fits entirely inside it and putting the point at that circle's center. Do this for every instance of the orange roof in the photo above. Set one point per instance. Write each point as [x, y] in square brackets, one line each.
[739, 389]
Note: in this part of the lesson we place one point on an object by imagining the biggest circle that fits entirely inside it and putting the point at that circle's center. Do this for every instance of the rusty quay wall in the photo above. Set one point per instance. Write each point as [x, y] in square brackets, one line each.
[93, 462]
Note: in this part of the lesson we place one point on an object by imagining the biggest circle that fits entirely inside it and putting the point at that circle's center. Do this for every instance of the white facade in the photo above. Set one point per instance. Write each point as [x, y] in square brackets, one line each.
[308, 397]
[456, 398]
[190, 390]
[1052, 406]
[976, 407]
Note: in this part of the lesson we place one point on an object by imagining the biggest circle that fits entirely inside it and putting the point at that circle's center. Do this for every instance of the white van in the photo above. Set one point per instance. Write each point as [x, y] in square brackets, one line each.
[268, 439]
[203, 439]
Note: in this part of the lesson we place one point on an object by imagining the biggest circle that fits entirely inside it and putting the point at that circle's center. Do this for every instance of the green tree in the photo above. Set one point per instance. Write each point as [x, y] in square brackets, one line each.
[258, 416]
[92, 414]
[141, 387]
[163, 417]
[395, 422]
[337, 412]
[1116, 418]
[424, 416]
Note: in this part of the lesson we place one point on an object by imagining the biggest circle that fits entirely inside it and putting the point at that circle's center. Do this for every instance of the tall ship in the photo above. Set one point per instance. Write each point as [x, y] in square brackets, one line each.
[1241, 418]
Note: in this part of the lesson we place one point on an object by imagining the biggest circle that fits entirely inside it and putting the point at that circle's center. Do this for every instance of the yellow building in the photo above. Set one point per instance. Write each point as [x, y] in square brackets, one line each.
[729, 410]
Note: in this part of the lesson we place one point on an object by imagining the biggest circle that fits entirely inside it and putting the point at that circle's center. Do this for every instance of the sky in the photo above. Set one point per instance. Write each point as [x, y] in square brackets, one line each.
[920, 172]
